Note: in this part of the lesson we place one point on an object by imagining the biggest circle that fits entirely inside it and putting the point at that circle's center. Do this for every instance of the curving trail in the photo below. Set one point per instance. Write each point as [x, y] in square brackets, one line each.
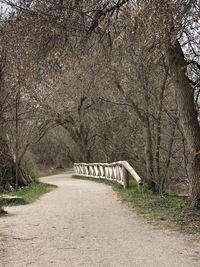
[82, 223]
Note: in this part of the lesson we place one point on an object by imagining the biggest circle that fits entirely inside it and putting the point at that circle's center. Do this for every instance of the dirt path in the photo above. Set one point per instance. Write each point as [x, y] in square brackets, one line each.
[82, 223]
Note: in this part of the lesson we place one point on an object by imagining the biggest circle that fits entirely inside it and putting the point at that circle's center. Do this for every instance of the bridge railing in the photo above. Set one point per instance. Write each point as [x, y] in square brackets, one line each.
[116, 171]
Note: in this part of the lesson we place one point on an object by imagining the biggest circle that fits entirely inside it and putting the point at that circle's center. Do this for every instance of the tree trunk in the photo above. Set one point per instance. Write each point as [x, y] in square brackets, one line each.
[149, 158]
[84, 149]
[188, 114]
[158, 132]
[17, 100]
[8, 168]
[168, 159]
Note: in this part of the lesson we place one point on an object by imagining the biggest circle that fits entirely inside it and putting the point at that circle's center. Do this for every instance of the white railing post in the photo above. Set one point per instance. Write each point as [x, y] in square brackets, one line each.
[125, 178]
[101, 171]
[116, 171]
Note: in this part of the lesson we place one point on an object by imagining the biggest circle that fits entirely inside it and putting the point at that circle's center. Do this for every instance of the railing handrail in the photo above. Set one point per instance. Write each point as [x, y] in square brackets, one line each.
[116, 171]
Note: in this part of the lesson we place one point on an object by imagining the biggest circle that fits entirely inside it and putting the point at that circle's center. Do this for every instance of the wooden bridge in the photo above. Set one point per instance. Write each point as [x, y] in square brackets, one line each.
[116, 171]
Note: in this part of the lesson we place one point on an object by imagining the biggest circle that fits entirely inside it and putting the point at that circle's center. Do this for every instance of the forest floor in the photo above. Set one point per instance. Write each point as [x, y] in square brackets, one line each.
[82, 223]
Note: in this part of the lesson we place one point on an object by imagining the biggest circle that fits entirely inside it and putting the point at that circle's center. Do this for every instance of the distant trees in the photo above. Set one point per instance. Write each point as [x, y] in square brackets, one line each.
[122, 87]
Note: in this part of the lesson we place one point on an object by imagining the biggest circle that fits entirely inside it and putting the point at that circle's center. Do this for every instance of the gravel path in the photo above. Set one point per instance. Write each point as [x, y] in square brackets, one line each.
[82, 223]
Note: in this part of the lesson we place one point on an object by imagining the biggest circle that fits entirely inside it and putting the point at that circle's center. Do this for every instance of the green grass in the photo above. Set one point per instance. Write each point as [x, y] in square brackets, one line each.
[170, 211]
[34, 191]
[28, 194]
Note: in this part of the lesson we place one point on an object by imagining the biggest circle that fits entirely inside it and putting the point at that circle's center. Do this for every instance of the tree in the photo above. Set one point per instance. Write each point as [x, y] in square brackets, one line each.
[113, 52]
[174, 19]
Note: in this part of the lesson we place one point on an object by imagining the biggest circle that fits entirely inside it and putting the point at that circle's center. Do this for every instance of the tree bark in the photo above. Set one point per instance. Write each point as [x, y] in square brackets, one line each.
[188, 114]
[158, 133]
[149, 158]
[8, 168]
[168, 159]
[17, 100]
